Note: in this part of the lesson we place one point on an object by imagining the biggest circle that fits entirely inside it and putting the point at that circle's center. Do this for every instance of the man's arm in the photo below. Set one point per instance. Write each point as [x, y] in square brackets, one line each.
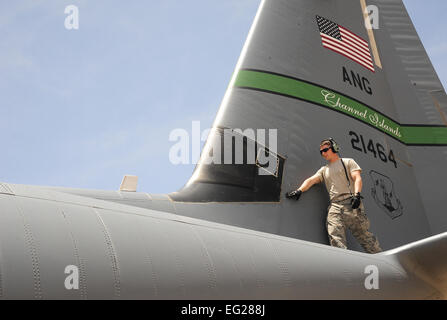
[357, 178]
[357, 199]
[309, 182]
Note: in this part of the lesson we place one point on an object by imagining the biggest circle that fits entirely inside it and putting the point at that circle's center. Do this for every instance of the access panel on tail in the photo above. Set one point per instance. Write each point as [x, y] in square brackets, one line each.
[312, 70]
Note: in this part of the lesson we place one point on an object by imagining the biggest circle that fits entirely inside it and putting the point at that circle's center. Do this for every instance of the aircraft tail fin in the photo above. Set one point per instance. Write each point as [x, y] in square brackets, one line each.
[311, 70]
[426, 259]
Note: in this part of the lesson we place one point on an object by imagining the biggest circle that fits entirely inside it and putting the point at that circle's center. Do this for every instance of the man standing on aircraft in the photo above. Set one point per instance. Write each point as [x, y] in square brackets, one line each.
[346, 209]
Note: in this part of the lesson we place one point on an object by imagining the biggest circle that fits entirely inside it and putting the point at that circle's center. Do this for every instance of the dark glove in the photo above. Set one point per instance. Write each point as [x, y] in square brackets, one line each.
[356, 200]
[296, 194]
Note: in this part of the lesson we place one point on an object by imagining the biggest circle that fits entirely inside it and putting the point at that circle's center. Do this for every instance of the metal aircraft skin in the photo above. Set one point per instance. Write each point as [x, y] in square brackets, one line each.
[230, 233]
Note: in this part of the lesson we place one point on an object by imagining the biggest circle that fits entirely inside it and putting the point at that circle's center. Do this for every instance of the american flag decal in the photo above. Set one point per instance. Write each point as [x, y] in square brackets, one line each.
[344, 42]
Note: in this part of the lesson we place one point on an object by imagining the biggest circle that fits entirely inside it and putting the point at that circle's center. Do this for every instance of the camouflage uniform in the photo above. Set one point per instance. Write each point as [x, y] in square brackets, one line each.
[340, 212]
[341, 215]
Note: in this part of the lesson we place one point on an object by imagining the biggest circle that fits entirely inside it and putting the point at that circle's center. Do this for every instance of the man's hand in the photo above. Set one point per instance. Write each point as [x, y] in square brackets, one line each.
[296, 194]
[356, 200]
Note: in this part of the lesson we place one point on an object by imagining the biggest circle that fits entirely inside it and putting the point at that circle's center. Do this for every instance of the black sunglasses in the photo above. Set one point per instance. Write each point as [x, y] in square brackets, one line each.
[324, 150]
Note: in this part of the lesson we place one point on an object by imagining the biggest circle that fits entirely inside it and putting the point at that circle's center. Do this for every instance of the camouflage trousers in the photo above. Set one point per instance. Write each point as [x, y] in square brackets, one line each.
[341, 216]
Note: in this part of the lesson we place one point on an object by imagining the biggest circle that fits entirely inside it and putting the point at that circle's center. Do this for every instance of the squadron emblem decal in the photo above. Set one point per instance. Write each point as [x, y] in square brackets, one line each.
[384, 195]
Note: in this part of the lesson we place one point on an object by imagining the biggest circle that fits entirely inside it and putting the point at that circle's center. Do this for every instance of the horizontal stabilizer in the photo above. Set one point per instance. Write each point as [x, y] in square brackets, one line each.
[427, 259]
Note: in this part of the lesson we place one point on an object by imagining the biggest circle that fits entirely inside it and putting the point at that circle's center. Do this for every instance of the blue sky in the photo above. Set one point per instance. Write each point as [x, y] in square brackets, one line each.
[82, 108]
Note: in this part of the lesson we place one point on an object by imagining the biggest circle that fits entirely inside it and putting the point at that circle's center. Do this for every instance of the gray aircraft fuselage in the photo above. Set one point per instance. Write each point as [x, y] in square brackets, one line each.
[123, 251]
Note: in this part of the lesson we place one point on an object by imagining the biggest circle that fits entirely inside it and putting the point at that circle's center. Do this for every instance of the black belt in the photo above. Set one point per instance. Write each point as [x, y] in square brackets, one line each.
[339, 201]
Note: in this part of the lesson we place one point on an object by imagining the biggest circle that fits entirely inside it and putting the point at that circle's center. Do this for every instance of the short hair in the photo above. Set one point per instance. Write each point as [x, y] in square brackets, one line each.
[325, 142]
